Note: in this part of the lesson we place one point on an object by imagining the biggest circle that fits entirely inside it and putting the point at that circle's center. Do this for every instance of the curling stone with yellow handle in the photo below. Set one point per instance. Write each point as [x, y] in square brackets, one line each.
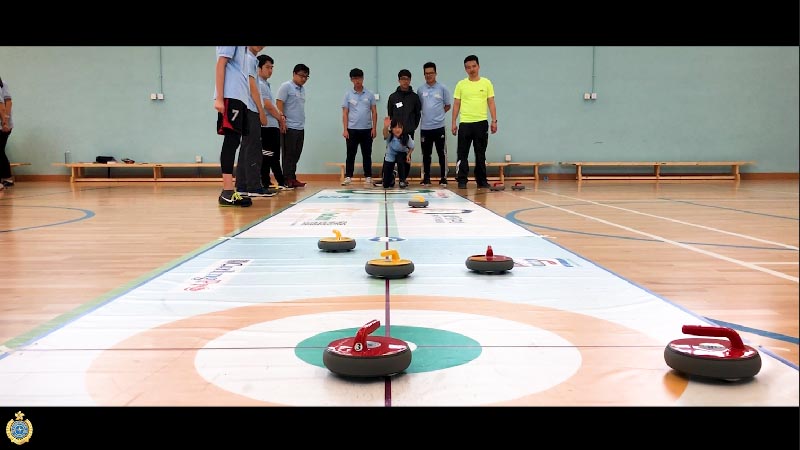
[418, 201]
[337, 243]
[390, 266]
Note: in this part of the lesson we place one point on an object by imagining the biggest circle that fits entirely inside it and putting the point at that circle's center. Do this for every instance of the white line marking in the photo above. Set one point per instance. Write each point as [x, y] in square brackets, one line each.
[717, 230]
[790, 263]
[662, 239]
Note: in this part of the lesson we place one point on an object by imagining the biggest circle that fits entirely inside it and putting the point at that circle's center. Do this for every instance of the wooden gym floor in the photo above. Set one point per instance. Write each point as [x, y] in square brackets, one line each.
[723, 250]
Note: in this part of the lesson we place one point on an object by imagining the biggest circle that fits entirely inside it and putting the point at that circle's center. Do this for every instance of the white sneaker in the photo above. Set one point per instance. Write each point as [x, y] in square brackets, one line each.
[346, 181]
[368, 181]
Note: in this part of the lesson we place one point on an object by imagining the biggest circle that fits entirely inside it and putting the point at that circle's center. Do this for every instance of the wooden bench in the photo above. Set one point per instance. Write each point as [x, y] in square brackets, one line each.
[656, 166]
[501, 166]
[78, 173]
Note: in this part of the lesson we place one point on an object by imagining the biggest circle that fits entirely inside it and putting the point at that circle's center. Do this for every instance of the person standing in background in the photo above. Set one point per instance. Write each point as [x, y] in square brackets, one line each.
[404, 105]
[471, 98]
[436, 101]
[7, 125]
[231, 91]
[248, 168]
[291, 101]
[399, 146]
[359, 120]
[270, 133]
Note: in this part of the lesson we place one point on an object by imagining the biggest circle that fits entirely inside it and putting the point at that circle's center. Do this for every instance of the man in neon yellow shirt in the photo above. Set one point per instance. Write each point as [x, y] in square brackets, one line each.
[471, 97]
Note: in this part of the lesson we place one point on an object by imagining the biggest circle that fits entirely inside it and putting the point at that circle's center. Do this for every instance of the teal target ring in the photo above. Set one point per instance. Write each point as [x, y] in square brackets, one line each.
[435, 349]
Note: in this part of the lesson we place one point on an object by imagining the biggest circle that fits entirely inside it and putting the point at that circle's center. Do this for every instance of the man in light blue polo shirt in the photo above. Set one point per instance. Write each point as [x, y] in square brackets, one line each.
[291, 101]
[231, 91]
[359, 119]
[436, 101]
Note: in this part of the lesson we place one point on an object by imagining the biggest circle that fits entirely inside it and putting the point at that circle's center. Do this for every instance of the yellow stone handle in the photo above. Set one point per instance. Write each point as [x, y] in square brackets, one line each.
[391, 252]
[338, 235]
[418, 198]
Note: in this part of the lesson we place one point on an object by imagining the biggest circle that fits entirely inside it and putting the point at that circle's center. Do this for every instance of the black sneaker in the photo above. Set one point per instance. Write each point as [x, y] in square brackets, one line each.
[443, 182]
[425, 183]
[462, 185]
[261, 192]
[235, 200]
[403, 185]
[484, 185]
[8, 183]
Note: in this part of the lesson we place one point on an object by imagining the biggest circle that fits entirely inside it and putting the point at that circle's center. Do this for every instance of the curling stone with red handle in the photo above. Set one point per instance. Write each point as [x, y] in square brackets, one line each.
[490, 263]
[367, 356]
[712, 358]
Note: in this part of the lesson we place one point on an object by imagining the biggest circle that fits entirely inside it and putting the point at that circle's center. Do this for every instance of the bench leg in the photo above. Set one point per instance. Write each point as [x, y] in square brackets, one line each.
[735, 170]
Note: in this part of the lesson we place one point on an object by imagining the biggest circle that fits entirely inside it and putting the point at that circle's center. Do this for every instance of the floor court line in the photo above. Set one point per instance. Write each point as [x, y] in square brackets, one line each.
[716, 230]
[670, 241]
[201, 317]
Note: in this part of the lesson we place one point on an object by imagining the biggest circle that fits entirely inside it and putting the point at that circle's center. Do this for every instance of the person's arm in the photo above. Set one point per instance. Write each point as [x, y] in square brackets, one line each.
[374, 131]
[456, 107]
[493, 111]
[417, 112]
[219, 102]
[279, 105]
[410, 150]
[447, 98]
[4, 116]
[345, 113]
[273, 111]
[255, 94]
[386, 122]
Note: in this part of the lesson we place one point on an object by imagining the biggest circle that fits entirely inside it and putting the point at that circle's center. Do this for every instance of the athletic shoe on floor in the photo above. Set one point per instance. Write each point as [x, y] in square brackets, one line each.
[236, 199]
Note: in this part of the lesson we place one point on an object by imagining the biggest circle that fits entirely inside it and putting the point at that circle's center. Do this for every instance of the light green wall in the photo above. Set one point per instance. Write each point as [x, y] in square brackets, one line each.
[654, 103]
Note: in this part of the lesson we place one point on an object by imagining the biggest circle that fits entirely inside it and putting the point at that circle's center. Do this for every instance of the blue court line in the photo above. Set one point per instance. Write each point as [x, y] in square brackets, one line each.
[77, 313]
[732, 209]
[776, 336]
[511, 216]
[87, 214]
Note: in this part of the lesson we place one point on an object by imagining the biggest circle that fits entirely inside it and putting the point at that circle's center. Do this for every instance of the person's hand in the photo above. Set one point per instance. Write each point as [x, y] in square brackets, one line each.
[387, 121]
[494, 127]
[219, 105]
[373, 133]
[345, 134]
[262, 117]
[6, 128]
[455, 130]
